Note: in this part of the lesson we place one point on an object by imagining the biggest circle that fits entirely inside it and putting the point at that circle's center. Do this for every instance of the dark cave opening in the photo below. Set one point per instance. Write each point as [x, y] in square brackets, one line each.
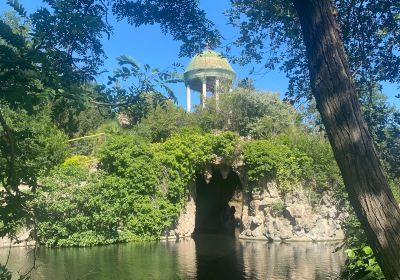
[213, 213]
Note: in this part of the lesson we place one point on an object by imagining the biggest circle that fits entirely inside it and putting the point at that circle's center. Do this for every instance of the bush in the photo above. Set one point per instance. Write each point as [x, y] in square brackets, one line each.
[265, 159]
[76, 208]
[319, 167]
[360, 262]
[278, 207]
[292, 160]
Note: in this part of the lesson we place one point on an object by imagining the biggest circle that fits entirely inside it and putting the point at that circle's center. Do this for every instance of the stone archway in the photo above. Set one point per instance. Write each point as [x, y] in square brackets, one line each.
[218, 201]
[224, 182]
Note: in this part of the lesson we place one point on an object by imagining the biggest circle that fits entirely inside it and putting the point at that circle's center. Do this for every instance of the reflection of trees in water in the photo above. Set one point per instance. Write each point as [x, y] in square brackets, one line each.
[144, 260]
[300, 260]
[186, 253]
[206, 257]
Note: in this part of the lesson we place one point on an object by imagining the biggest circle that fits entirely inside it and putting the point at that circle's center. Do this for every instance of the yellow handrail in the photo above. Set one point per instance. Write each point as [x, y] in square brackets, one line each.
[88, 136]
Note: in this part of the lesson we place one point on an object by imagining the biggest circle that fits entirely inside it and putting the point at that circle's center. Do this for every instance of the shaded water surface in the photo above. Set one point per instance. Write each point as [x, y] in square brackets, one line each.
[206, 257]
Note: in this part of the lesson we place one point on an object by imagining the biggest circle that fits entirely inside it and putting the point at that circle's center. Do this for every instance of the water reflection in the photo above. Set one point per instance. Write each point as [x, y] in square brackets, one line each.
[303, 260]
[206, 257]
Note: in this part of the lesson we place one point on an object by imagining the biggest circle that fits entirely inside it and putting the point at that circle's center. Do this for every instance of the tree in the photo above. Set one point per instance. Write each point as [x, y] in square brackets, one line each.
[34, 67]
[384, 125]
[183, 19]
[335, 94]
[270, 34]
[249, 113]
[48, 61]
[134, 90]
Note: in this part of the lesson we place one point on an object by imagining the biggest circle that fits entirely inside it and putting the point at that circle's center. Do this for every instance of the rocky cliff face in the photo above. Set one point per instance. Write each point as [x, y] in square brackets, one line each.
[185, 225]
[262, 213]
[269, 216]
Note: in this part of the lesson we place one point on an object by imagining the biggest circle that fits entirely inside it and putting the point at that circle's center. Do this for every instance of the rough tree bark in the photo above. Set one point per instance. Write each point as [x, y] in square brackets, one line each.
[335, 94]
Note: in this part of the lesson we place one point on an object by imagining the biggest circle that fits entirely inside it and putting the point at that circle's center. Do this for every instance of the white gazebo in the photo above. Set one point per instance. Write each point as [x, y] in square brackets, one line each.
[210, 72]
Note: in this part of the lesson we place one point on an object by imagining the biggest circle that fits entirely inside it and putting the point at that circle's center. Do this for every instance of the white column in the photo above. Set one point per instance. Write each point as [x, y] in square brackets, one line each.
[216, 93]
[204, 93]
[188, 100]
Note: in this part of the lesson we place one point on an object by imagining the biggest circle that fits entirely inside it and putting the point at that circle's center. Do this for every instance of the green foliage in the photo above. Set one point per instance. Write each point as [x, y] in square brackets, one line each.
[110, 127]
[137, 193]
[70, 32]
[135, 90]
[180, 156]
[265, 159]
[360, 262]
[29, 147]
[183, 154]
[292, 159]
[278, 207]
[249, 113]
[45, 69]
[318, 164]
[74, 114]
[76, 208]
[383, 122]
[41, 58]
[40, 146]
[395, 187]
[122, 155]
[79, 160]
[225, 145]
[5, 274]
[163, 121]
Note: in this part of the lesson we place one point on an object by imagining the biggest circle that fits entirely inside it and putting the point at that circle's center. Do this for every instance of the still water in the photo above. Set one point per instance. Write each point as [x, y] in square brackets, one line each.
[206, 257]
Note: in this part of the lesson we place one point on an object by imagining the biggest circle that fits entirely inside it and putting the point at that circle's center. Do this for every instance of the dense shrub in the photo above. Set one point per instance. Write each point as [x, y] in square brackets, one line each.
[315, 156]
[39, 145]
[265, 159]
[137, 192]
[183, 154]
[308, 161]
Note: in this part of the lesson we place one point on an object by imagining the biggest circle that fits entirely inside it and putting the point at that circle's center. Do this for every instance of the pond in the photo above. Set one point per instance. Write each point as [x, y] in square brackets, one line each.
[205, 257]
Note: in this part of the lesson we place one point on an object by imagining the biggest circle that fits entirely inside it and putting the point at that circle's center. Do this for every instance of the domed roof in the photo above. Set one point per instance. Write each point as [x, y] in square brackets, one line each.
[208, 59]
[209, 64]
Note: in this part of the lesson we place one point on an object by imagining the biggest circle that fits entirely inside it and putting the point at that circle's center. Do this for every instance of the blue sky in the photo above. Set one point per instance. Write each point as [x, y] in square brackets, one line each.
[148, 45]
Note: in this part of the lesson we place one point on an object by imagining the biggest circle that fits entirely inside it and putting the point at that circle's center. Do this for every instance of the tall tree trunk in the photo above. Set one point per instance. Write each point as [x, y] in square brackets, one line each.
[336, 98]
